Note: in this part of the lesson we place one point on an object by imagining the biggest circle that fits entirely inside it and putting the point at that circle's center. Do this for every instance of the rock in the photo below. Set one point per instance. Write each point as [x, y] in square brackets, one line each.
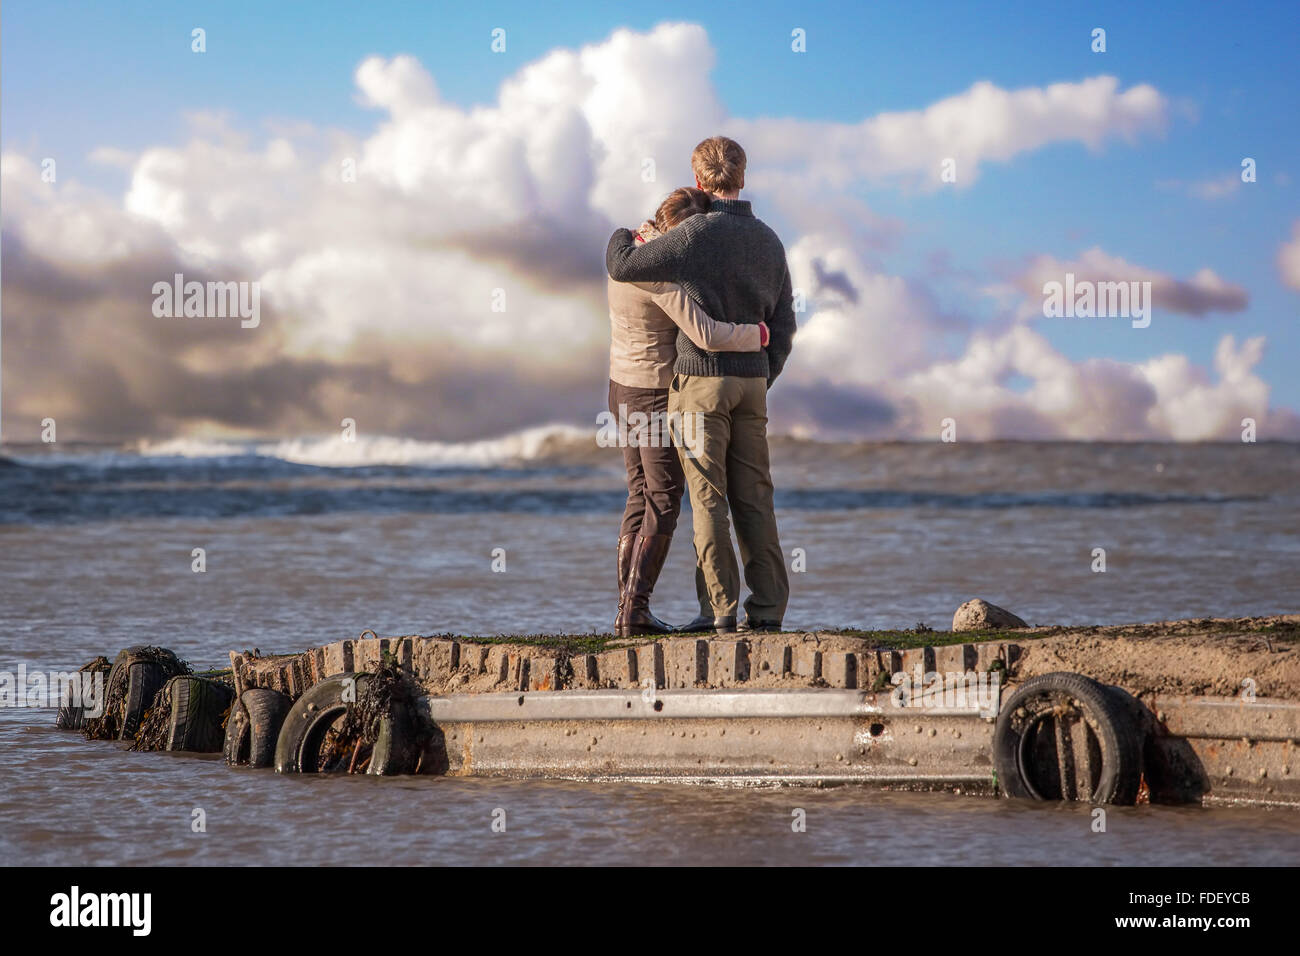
[978, 615]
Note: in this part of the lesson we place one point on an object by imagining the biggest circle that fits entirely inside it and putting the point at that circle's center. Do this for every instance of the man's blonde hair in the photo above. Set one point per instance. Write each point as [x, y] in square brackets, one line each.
[719, 165]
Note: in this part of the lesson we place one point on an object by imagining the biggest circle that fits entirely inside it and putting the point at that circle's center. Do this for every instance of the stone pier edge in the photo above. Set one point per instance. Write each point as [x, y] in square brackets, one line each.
[671, 663]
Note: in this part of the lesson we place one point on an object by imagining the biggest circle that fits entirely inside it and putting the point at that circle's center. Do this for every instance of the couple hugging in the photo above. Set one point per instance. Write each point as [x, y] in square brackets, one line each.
[702, 319]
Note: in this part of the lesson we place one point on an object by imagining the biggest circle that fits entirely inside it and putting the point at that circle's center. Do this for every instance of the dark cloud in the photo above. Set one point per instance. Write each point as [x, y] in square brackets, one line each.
[1203, 293]
[833, 282]
[832, 408]
[559, 257]
[83, 346]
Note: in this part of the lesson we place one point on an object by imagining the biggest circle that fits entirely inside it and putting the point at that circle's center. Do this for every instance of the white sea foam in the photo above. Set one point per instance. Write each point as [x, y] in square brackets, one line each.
[554, 441]
[332, 451]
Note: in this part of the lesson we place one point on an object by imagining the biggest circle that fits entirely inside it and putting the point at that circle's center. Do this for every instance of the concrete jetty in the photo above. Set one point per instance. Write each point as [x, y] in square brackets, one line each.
[819, 708]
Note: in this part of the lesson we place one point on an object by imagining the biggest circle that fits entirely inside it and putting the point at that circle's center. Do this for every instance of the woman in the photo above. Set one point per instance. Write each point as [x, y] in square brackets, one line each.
[644, 320]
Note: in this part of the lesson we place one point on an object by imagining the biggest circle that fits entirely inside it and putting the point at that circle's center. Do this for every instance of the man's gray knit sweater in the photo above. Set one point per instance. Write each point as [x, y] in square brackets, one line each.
[733, 265]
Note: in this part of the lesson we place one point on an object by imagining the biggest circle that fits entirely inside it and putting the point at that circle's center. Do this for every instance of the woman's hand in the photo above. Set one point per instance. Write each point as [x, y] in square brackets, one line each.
[764, 334]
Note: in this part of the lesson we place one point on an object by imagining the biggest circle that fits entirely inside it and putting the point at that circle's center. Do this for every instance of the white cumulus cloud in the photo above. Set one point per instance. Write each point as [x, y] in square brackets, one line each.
[385, 258]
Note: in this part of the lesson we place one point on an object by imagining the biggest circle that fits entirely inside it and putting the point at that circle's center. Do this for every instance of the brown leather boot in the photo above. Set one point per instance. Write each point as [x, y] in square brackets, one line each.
[624, 566]
[634, 616]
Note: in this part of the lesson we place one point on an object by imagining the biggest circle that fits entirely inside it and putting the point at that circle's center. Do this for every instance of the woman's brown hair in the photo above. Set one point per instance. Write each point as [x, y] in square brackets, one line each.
[680, 205]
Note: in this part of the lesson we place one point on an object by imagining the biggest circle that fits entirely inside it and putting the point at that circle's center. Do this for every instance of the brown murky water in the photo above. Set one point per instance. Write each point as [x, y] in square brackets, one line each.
[70, 801]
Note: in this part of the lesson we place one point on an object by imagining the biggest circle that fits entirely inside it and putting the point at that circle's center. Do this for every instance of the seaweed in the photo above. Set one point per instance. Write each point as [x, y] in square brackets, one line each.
[594, 643]
[155, 724]
[387, 692]
[106, 726]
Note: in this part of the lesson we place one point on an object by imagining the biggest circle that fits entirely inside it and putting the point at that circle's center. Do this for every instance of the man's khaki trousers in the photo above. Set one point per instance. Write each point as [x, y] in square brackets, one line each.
[723, 448]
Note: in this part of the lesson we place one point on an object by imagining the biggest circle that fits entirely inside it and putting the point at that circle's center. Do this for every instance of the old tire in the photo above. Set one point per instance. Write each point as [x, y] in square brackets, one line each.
[143, 676]
[254, 727]
[71, 714]
[198, 706]
[396, 750]
[298, 749]
[1064, 736]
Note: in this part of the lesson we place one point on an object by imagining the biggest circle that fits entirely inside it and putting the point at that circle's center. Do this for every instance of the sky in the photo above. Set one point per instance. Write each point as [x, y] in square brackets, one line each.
[453, 287]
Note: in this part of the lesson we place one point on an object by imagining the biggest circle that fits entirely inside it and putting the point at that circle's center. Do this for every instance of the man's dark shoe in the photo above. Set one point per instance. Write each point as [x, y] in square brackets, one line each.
[707, 622]
[758, 627]
[645, 563]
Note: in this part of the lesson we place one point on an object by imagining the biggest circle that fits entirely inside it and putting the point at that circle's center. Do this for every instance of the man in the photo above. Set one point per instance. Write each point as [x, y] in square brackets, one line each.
[734, 266]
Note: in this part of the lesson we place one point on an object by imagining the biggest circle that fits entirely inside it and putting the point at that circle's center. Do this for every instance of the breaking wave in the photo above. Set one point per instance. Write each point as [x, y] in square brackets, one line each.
[550, 443]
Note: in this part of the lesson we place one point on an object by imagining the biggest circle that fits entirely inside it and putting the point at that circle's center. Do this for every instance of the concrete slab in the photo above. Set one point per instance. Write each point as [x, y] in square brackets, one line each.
[617, 668]
[368, 653]
[840, 669]
[651, 665]
[914, 657]
[544, 673]
[770, 656]
[806, 661]
[473, 658]
[686, 661]
[955, 659]
[435, 659]
[586, 671]
[729, 662]
[338, 658]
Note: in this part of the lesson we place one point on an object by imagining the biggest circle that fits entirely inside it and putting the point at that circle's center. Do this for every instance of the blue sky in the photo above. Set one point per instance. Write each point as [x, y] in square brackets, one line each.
[77, 76]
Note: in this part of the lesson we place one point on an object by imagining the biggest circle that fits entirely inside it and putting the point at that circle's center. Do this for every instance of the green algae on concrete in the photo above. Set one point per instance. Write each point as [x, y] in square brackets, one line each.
[594, 643]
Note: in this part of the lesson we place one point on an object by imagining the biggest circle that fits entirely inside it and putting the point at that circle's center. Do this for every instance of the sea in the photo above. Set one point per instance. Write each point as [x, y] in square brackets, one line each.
[207, 546]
